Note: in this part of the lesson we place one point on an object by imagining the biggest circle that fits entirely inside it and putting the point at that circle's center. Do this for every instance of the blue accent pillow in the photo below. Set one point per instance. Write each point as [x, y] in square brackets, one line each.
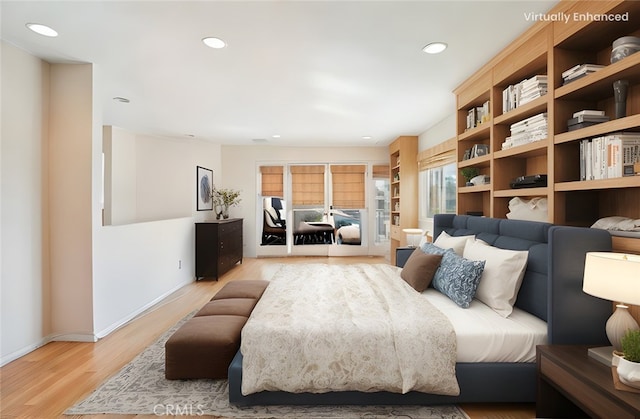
[458, 278]
[432, 249]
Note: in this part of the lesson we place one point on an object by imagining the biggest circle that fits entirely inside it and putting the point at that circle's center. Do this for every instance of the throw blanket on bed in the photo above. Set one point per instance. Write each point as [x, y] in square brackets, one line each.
[320, 328]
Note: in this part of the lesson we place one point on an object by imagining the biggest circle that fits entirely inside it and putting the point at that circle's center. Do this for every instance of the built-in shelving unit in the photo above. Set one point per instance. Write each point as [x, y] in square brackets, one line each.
[403, 154]
[550, 48]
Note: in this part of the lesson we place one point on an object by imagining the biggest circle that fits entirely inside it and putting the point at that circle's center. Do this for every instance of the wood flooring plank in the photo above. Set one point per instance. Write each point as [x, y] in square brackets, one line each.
[49, 380]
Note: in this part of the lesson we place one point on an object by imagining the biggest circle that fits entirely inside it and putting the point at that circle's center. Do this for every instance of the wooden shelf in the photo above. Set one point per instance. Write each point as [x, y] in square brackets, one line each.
[622, 124]
[588, 185]
[476, 133]
[599, 85]
[536, 148]
[403, 153]
[476, 188]
[534, 107]
[482, 161]
[551, 48]
[510, 193]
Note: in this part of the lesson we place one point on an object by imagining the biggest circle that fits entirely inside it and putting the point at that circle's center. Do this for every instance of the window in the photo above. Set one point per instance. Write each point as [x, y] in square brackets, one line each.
[272, 181]
[437, 181]
[439, 186]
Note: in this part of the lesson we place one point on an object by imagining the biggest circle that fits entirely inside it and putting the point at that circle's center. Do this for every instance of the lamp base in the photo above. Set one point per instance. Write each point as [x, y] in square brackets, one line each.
[618, 324]
[603, 354]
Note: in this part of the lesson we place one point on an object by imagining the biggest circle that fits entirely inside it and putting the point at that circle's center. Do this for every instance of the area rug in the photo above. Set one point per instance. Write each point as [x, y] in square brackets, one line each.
[141, 389]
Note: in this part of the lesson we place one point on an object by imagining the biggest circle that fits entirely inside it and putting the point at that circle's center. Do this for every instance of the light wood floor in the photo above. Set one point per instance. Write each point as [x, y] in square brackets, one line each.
[47, 381]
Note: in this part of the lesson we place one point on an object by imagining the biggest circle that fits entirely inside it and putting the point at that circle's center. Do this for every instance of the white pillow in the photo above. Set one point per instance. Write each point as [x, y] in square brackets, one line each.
[502, 275]
[457, 243]
[617, 223]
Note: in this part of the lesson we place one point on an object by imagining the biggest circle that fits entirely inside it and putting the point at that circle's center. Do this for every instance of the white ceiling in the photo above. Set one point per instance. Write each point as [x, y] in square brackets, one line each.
[314, 72]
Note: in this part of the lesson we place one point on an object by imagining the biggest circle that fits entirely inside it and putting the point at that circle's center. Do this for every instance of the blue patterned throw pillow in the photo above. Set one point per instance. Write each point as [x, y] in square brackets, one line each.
[432, 249]
[458, 278]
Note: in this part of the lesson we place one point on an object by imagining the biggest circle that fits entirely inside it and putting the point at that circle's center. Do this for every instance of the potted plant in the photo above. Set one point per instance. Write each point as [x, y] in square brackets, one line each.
[629, 364]
[469, 173]
[223, 199]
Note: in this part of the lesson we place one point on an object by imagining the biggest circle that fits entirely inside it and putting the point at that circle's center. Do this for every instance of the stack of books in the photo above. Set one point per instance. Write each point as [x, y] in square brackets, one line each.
[579, 71]
[478, 115]
[523, 92]
[527, 131]
[586, 118]
[532, 89]
[609, 156]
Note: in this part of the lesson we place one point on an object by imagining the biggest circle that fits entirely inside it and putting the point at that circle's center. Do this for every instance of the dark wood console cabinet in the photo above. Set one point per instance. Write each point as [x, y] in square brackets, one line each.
[218, 247]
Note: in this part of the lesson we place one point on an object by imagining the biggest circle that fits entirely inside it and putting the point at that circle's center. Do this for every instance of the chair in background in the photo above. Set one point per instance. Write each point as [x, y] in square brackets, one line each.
[274, 230]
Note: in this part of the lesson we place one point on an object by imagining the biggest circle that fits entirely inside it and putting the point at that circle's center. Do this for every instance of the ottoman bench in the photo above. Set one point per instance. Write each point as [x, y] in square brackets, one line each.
[205, 345]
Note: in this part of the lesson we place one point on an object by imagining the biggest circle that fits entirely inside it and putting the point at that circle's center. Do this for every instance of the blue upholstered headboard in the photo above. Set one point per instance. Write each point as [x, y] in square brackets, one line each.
[552, 284]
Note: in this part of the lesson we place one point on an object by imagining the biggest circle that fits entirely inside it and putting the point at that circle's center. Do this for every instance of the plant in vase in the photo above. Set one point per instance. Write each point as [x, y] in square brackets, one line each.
[629, 364]
[223, 199]
[469, 173]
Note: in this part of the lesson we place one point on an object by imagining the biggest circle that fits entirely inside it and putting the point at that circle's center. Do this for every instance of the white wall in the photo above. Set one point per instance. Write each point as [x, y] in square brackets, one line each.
[147, 178]
[120, 186]
[239, 166]
[24, 280]
[70, 199]
[438, 133]
[144, 258]
[63, 274]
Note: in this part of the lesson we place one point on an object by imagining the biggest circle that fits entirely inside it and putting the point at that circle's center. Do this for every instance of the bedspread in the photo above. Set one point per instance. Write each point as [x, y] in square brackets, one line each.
[320, 328]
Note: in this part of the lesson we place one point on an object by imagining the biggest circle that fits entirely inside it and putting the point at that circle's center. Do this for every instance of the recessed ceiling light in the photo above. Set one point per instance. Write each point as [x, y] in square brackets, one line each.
[216, 43]
[435, 47]
[42, 30]
[366, 137]
[275, 136]
[121, 99]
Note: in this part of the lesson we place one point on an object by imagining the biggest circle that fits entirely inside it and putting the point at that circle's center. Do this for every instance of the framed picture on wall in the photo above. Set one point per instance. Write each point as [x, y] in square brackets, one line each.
[204, 178]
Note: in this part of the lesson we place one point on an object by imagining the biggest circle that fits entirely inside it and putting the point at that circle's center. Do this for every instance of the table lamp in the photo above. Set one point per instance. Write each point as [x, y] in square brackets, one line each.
[615, 277]
[414, 235]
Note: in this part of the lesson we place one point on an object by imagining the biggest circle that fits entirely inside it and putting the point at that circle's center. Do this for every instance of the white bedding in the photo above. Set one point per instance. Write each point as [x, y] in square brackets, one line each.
[320, 327]
[485, 336]
[481, 334]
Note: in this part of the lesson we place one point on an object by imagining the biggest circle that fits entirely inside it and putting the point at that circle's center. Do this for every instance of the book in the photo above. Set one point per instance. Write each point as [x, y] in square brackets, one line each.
[581, 69]
[588, 112]
[524, 92]
[609, 156]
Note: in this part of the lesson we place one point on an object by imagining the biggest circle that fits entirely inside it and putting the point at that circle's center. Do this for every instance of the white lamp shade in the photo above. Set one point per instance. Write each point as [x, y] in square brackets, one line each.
[612, 276]
[414, 235]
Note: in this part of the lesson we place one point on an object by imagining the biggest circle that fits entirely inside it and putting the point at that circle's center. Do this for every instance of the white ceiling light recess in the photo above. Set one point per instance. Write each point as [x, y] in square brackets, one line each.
[43, 30]
[435, 47]
[213, 42]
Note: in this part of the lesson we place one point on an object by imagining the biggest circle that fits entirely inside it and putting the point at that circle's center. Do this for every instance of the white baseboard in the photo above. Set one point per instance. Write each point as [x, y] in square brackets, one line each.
[87, 337]
[22, 352]
[141, 310]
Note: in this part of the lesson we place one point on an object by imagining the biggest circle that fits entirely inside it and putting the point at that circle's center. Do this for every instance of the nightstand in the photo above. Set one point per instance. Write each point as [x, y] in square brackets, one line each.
[402, 254]
[572, 384]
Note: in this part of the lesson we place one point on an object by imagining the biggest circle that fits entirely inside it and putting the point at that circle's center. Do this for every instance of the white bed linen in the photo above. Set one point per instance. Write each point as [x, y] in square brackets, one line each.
[485, 336]
[320, 327]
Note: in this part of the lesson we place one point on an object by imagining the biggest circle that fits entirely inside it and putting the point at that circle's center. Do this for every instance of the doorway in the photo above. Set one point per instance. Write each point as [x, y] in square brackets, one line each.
[325, 209]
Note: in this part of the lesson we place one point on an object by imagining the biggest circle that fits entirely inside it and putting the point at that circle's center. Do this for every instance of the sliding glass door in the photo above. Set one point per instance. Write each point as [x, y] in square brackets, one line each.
[324, 209]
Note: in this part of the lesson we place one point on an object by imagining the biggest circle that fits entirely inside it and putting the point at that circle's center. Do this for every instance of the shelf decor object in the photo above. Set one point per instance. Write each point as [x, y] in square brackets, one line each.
[615, 277]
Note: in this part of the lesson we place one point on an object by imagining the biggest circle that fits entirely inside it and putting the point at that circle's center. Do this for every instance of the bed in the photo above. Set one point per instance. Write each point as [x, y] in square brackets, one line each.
[551, 291]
